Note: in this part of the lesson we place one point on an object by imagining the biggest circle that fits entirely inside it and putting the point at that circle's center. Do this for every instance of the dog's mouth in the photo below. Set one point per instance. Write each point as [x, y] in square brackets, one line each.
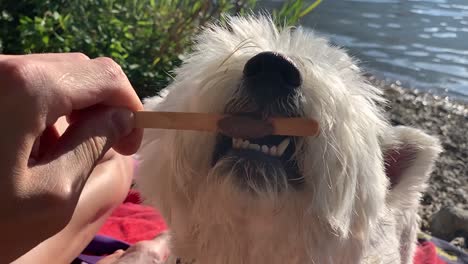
[269, 88]
[260, 163]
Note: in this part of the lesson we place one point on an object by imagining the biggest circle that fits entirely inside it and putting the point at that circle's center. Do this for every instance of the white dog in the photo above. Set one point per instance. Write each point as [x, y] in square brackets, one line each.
[349, 195]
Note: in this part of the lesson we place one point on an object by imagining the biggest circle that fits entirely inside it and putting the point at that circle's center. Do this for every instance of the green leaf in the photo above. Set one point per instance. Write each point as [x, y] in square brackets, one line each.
[310, 8]
[25, 20]
[45, 40]
[156, 60]
[56, 15]
[133, 66]
[196, 7]
[58, 37]
[115, 55]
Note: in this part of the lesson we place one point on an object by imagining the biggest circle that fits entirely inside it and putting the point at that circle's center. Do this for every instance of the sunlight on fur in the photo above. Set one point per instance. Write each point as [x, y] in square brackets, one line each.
[327, 199]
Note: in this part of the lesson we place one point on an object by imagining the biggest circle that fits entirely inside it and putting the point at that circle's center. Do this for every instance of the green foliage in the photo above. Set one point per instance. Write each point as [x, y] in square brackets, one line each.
[292, 11]
[146, 37]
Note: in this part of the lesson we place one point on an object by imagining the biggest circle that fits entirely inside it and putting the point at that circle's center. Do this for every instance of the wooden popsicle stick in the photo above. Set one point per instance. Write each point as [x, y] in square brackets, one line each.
[177, 120]
[295, 126]
[209, 122]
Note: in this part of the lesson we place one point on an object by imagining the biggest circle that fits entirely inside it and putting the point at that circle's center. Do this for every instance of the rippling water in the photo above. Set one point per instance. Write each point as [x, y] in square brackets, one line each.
[422, 43]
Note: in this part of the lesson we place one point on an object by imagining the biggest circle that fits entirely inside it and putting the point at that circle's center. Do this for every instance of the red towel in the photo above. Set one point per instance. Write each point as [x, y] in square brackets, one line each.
[426, 253]
[132, 222]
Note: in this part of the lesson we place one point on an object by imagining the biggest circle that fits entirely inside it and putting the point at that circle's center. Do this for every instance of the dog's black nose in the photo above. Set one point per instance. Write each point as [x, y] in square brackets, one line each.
[269, 75]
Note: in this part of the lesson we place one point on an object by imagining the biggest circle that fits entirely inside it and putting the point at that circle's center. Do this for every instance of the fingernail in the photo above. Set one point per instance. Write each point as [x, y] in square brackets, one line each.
[124, 121]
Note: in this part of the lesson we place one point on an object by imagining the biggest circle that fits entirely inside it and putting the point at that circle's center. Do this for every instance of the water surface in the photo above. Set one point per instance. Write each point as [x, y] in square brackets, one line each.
[422, 43]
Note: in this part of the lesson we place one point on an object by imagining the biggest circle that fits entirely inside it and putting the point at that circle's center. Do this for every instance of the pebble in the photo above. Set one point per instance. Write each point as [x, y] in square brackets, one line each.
[449, 223]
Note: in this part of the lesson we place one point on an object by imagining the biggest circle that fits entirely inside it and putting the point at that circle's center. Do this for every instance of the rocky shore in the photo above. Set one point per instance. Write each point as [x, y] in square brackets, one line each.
[448, 120]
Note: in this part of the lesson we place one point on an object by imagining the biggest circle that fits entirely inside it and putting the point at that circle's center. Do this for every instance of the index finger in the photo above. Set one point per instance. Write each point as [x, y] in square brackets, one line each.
[123, 95]
[93, 82]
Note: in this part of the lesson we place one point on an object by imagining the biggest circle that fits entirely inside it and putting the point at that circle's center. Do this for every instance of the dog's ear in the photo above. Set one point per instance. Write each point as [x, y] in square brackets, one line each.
[409, 156]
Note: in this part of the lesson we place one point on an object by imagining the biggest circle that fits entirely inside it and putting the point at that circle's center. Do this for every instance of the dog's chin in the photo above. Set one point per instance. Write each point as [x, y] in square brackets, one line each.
[260, 165]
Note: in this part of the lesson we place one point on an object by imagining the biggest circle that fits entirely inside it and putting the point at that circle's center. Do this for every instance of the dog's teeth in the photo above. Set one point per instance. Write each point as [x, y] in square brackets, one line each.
[273, 151]
[254, 147]
[282, 146]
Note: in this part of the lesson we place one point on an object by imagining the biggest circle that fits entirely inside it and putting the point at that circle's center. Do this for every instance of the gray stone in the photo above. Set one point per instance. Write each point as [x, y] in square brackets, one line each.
[449, 223]
[459, 242]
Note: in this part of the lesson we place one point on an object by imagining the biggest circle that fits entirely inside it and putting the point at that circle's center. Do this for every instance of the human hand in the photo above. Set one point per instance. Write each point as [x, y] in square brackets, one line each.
[42, 173]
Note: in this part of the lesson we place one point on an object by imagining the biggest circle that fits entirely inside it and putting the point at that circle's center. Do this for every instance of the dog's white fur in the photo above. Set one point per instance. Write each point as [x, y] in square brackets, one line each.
[346, 212]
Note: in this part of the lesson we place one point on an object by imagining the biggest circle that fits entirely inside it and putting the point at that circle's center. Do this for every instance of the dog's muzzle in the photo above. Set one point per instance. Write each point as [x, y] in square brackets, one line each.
[270, 88]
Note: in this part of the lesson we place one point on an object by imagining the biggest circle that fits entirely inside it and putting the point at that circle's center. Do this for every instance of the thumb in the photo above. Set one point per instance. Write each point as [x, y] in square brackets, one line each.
[85, 142]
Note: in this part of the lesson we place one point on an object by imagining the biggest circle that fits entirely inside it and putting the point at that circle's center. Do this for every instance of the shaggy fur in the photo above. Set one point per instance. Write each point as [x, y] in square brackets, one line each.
[348, 209]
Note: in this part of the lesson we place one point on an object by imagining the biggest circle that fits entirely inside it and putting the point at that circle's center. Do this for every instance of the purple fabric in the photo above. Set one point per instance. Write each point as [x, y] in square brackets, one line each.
[99, 247]
[446, 251]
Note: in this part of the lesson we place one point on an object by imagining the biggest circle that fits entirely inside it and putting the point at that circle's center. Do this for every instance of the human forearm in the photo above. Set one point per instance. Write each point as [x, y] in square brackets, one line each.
[105, 189]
